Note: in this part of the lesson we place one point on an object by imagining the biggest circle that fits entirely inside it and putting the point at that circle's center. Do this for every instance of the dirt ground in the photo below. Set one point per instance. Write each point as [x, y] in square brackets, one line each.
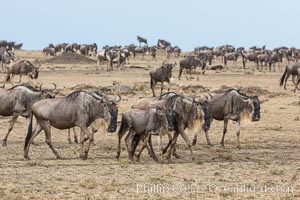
[266, 167]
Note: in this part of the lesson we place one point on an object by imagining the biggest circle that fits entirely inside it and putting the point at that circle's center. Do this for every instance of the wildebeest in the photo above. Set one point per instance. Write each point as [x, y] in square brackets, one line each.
[49, 51]
[291, 69]
[98, 124]
[6, 56]
[251, 56]
[141, 50]
[153, 51]
[17, 101]
[80, 108]
[18, 46]
[190, 63]
[163, 44]
[142, 40]
[182, 113]
[235, 106]
[231, 56]
[161, 74]
[142, 123]
[23, 67]
[216, 67]
[266, 58]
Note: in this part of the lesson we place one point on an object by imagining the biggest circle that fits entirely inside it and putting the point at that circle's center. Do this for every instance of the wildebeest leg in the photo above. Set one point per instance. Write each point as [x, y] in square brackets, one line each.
[152, 153]
[161, 87]
[180, 72]
[153, 84]
[69, 136]
[285, 80]
[293, 79]
[11, 126]
[172, 146]
[91, 138]
[129, 136]
[20, 80]
[75, 136]
[121, 133]
[238, 134]
[11, 78]
[161, 148]
[36, 131]
[145, 141]
[187, 141]
[296, 83]
[224, 131]
[47, 127]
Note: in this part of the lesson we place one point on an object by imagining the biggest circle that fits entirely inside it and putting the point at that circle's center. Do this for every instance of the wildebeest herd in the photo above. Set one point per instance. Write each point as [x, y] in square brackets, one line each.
[170, 113]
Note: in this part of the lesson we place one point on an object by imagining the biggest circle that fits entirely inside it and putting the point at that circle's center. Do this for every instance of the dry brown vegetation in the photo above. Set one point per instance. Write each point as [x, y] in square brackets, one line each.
[269, 154]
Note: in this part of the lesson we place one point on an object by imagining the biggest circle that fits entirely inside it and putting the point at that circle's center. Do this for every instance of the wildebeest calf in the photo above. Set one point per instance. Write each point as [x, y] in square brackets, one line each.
[143, 123]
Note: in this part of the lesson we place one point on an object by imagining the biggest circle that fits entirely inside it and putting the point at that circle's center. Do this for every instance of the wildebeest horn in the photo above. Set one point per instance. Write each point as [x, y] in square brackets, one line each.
[54, 86]
[119, 99]
[41, 88]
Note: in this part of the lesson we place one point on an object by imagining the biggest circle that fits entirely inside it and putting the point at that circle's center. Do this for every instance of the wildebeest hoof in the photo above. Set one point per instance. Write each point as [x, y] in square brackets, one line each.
[34, 143]
[84, 157]
[193, 158]
[4, 143]
[194, 142]
[27, 158]
[176, 155]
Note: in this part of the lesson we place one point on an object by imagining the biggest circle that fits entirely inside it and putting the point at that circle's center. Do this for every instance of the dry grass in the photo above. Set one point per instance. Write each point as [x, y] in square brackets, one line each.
[269, 152]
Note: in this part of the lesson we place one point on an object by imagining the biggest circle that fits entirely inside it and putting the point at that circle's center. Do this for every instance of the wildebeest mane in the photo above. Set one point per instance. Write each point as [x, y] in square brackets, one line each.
[72, 97]
[27, 86]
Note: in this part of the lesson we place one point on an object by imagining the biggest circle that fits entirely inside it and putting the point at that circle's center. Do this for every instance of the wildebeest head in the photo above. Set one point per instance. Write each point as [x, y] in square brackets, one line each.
[49, 93]
[113, 110]
[256, 104]
[205, 105]
[168, 67]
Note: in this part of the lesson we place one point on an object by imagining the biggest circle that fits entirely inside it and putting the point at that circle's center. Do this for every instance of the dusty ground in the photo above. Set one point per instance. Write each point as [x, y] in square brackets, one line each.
[269, 157]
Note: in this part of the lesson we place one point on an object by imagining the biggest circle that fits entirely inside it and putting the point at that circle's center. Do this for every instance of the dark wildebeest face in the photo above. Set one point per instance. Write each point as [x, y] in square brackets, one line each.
[206, 109]
[256, 105]
[35, 73]
[113, 110]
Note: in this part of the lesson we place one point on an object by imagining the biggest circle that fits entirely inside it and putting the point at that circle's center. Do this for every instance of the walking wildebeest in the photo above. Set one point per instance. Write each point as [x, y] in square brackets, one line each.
[79, 108]
[235, 106]
[6, 56]
[17, 101]
[23, 67]
[98, 123]
[142, 123]
[291, 69]
[190, 63]
[251, 56]
[182, 113]
[161, 74]
[142, 40]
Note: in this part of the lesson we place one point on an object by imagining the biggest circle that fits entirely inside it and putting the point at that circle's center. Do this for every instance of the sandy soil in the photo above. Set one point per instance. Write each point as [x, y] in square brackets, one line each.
[268, 159]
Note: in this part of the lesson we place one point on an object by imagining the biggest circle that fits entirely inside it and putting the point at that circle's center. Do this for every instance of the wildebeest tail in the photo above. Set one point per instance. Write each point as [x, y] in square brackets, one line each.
[283, 76]
[29, 132]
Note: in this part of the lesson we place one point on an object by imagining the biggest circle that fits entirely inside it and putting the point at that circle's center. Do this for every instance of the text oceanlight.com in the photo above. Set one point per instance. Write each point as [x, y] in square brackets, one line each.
[213, 188]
